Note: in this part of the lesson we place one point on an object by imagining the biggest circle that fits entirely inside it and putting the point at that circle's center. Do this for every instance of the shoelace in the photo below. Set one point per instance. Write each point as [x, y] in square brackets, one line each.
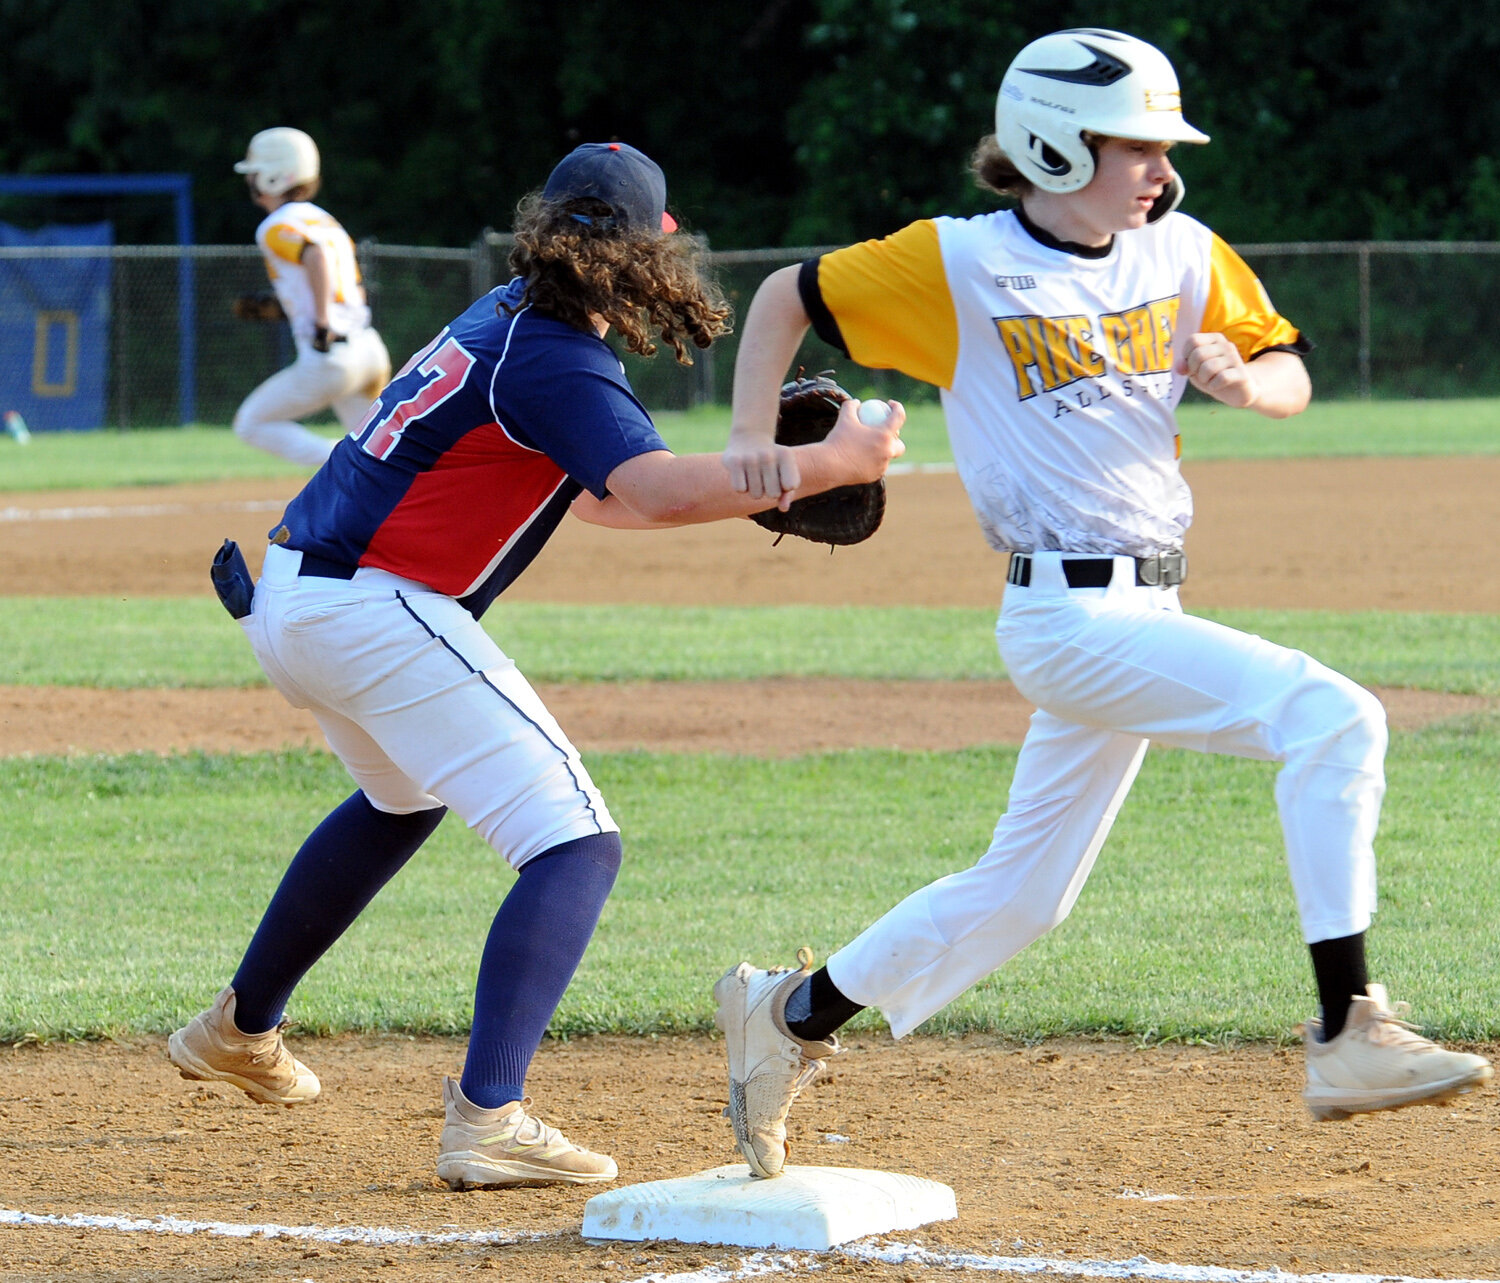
[533, 1133]
[1393, 1030]
[273, 1051]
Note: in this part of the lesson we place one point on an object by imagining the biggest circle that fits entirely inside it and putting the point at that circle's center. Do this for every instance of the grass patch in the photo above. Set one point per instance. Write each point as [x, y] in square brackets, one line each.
[188, 642]
[164, 456]
[1186, 931]
[147, 457]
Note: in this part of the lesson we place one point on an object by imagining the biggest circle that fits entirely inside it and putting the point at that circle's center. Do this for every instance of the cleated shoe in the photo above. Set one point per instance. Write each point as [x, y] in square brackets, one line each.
[210, 1047]
[768, 1067]
[1378, 1061]
[484, 1148]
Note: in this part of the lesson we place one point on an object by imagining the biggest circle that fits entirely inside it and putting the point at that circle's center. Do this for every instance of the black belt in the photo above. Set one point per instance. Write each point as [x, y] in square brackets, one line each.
[322, 568]
[1166, 570]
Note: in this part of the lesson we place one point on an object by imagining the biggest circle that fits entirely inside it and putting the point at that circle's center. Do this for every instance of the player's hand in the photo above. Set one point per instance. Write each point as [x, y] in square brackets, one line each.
[762, 469]
[867, 451]
[324, 338]
[1214, 365]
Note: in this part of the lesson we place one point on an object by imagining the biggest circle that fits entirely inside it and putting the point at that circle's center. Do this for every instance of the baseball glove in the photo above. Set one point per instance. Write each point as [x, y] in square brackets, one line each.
[845, 515]
[258, 307]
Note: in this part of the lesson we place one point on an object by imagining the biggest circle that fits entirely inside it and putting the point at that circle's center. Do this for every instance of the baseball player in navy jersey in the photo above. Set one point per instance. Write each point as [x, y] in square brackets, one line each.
[367, 613]
[1062, 335]
[341, 361]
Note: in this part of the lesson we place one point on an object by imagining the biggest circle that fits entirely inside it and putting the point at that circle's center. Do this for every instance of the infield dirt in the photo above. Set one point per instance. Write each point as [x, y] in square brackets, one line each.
[1201, 1156]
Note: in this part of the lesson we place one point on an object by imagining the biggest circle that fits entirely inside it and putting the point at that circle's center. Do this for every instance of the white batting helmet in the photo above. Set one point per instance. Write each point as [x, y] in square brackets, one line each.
[1086, 80]
[280, 159]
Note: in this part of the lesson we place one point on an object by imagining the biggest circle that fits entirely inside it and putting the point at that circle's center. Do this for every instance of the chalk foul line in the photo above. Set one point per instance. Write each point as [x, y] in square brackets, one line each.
[372, 1235]
[94, 512]
[757, 1265]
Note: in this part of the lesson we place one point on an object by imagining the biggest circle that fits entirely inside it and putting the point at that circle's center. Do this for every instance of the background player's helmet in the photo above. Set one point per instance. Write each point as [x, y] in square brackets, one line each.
[1087, 80]
[280, 159]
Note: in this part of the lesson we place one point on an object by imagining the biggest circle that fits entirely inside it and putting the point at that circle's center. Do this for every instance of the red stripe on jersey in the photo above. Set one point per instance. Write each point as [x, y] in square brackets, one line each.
[454, 521]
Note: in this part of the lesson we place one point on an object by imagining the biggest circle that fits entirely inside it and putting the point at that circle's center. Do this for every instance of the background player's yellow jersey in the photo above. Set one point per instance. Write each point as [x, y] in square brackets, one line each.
[283, 236]
[1056, 368]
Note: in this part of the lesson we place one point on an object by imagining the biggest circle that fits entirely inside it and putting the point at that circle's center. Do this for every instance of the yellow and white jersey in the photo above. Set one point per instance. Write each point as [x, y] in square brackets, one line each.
[1056, 369]
[283, 236]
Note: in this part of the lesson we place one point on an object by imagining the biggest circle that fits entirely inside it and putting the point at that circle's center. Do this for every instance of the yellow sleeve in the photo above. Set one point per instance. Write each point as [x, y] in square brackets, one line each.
[286, 241]
[1239, 308]
[890, 302]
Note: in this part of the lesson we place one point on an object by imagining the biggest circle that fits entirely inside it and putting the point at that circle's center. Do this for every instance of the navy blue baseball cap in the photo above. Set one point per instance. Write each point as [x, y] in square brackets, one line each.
[626, 180]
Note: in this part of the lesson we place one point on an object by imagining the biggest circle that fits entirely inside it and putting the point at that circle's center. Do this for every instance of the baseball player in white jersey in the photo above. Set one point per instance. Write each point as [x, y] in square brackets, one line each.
[1062, 335]
[341, 361]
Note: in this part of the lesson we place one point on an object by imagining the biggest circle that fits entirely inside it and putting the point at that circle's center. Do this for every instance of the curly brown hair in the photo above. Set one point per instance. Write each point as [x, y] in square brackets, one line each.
[994, 171]
[639, 281]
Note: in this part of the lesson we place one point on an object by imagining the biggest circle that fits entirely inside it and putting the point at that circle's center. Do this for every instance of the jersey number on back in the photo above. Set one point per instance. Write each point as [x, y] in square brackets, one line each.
[445, 371]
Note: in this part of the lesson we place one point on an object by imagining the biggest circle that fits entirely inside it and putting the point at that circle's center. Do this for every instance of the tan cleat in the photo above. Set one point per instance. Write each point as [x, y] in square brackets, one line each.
[768, 1067]
[1378, 1061]
[211, 1047]
[484, 1148]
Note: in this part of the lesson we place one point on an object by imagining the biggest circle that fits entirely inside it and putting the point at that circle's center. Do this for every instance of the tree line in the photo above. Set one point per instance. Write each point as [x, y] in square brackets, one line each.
[786, 122]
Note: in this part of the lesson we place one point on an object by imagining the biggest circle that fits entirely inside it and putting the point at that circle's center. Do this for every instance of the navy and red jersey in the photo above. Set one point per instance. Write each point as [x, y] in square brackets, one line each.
[469, 459]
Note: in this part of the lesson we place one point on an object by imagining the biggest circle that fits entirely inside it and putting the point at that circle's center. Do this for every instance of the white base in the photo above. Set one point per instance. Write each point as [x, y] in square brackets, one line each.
[813, 1208]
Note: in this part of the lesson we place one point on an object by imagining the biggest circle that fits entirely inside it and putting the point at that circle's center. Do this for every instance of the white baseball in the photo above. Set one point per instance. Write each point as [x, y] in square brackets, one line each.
[873, 413]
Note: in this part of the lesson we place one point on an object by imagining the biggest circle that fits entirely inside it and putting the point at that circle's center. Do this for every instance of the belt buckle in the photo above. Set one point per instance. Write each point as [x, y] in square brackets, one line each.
[1165, 570]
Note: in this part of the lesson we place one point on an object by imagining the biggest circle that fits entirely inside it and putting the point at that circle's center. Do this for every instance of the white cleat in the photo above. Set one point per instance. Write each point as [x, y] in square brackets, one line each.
[212, 1048]
[768, 1067]
[485, 1148]
[1379, 1061]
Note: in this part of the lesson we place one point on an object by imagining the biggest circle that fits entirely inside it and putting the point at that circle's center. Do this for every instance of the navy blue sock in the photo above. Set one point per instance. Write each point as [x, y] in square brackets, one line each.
[341, 866]
[534, 947]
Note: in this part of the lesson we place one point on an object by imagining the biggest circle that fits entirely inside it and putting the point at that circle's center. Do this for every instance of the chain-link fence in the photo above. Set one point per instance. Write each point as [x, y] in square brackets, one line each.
[155, 330]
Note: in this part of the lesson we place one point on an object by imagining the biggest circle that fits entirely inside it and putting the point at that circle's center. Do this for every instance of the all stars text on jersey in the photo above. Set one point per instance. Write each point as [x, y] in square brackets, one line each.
[1050, 352]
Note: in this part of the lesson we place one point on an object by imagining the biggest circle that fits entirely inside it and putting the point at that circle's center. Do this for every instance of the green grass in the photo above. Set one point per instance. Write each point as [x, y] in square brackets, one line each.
[164, 456]
[133, 883]
[171, 642]
[86, 460]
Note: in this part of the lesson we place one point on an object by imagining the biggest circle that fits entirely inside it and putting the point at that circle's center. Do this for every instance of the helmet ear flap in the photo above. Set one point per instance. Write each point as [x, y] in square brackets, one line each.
[1169, 200]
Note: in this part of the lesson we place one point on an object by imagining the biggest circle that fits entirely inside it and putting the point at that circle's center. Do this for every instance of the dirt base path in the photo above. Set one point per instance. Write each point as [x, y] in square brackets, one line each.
[1070, 1151]
[1066, 1151]
[1339, 534]
[777, 718]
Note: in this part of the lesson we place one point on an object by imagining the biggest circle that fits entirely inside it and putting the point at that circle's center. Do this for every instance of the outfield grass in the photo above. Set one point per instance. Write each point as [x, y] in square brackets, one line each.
[172, 642]
[86, 460]
[133, 884]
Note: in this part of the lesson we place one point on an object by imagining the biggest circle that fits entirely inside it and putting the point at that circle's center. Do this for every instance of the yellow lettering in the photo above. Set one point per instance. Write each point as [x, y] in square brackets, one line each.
[1036, 327]
[1139, 339]
[1059, 348]
[1164, 325]
[1088, 364]
[1116, 335]
[1017, 343]
[63, 325]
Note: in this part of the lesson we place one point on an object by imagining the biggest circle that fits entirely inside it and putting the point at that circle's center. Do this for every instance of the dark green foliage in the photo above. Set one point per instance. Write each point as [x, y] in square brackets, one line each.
[789, 122]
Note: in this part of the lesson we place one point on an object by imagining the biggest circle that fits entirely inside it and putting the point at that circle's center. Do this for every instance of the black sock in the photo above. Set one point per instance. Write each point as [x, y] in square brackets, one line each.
[1339, 966]
[830, 1009]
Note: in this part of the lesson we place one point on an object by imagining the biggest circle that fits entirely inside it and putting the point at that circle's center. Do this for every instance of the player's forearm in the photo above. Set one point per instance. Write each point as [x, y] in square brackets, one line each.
[1282, 386]
[662, 489]
[320, 282]
[769, 340]
[611, 512]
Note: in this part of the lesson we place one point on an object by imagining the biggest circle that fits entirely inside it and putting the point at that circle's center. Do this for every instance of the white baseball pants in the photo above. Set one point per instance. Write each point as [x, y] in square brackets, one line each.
[347, 378]
[1111, 669]
[421, 706]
